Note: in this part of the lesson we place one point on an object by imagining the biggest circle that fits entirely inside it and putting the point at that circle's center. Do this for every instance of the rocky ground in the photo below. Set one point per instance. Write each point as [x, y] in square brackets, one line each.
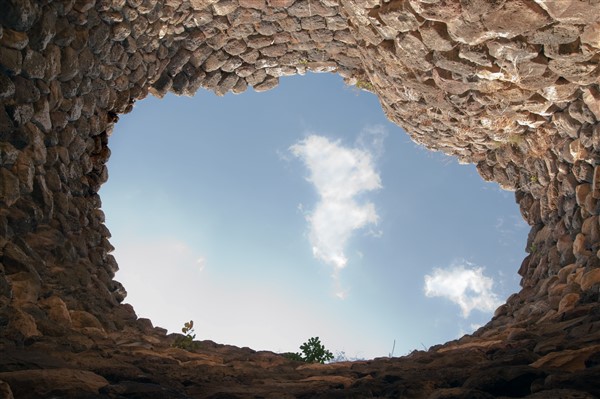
[556, 360]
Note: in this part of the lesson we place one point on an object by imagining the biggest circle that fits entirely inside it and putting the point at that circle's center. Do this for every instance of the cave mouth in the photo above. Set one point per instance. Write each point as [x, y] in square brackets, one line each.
[230, 247]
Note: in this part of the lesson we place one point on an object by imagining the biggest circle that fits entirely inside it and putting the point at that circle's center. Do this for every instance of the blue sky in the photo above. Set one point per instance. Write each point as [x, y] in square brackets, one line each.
[269, 218]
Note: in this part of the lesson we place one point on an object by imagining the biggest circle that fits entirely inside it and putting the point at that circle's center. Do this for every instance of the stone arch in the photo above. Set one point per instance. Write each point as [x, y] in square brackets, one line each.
[512, 86]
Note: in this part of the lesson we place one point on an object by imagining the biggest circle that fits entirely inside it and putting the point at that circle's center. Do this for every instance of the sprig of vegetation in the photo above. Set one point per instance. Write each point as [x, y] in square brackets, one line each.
[187, 341]
[364, 85]
[312, 352]
[533, 248]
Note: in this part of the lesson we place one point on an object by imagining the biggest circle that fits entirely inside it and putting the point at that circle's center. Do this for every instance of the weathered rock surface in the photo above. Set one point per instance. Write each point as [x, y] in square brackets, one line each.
[510, 85]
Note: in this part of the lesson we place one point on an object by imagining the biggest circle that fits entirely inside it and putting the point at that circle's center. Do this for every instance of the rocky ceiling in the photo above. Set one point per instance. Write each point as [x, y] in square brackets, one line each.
[510, 85]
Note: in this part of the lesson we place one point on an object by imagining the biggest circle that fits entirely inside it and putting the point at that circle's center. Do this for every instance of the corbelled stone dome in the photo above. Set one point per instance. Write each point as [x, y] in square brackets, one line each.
[510, 85]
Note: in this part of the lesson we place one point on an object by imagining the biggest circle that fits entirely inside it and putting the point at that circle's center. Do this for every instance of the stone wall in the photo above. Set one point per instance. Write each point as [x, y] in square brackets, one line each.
[511, 85]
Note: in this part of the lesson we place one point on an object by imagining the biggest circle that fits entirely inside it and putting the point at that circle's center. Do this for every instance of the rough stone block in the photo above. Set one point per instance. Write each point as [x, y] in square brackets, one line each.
[573, 12]
[19, 15]
[589, 279]
[11, 60]
[9, 187]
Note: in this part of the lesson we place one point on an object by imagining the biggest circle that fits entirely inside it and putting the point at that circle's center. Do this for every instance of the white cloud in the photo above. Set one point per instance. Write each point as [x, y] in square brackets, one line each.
[371, 139]
[201, 263]
[339, 174]
[464, 285]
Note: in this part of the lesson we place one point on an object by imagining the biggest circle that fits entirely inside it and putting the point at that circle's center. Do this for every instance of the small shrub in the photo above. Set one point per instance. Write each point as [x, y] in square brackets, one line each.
[312, 352]
[315, 352]
[364, 85]
[187, 341]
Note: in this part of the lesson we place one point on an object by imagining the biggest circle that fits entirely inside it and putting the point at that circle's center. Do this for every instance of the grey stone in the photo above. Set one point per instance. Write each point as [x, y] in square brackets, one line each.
[34, 65]
[19, 15]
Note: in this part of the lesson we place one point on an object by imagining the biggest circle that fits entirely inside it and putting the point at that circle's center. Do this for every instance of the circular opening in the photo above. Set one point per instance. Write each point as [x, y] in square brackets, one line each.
[212, 204]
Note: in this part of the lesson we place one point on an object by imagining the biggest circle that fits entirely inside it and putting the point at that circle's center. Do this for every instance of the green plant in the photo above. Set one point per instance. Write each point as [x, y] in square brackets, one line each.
[364, 85]
[187, 340]
[312, 352]
[315, 352]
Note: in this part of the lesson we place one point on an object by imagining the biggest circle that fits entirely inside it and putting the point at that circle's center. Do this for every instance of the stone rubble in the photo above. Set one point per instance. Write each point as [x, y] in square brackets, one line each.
[512, 86]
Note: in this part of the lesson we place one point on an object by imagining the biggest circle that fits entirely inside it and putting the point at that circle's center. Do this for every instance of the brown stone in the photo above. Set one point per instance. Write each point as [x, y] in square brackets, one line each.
[22, 327]
[591, 97]
[11, 60]
[5, 391]
[9, 187]
[514, 18]
[435, 36]
[570, 360]
[591, 35]
[590, 279]
[568, 302]
[25, 287]
[61, 381]
[410, 47]
[579, 246]
[258, 4]
[14, 39]
[572, 71]
[399, 16]
[280, 3]
[267, 84]
[471, 33]
[313, 23]
[574, 12]
[201, 4]
[57, 310]
[555, 34]
[561, 90]
[225, 7]
[433, 12]
[581, 193]
[275, 50]
[69, 64]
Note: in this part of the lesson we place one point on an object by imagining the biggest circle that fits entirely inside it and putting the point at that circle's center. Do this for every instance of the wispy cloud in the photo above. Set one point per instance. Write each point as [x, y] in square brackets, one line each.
[371, 139]
[464, 284]
[201, 262]
[509, 229]
[339, 175]
[468, 330]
